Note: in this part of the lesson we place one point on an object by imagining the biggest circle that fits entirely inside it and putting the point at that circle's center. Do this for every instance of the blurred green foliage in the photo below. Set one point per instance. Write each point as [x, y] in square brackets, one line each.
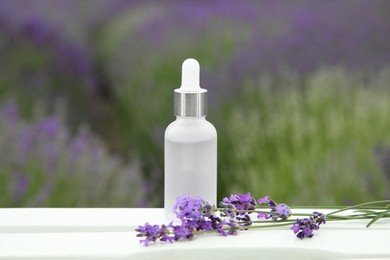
[298, 94]
[310, 140]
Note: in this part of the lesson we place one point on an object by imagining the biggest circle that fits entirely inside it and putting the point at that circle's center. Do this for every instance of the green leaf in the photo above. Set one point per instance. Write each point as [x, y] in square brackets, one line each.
[380, 215]
[365, 211]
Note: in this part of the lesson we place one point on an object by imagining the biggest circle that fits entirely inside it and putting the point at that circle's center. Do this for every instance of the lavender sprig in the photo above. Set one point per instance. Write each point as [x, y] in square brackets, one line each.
[197, 216]
[305, 227]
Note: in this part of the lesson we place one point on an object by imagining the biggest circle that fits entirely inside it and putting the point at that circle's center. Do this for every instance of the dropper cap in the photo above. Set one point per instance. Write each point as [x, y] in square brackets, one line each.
[190, 99]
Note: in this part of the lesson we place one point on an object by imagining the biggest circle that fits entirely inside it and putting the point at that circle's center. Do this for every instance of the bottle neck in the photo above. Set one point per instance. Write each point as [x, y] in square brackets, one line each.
[190, 118]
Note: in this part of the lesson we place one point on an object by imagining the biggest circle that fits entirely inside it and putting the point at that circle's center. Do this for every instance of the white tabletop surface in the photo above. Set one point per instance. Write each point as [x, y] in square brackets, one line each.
[109, 234]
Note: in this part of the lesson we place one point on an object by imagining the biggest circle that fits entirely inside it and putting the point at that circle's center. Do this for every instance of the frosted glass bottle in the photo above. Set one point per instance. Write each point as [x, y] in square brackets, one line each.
[190, 147]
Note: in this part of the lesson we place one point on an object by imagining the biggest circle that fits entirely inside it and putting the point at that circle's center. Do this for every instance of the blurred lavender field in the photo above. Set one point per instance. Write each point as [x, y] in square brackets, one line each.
[299, 95]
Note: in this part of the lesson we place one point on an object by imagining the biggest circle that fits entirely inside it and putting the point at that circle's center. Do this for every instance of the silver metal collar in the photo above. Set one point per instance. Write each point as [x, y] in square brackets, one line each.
[187, 104]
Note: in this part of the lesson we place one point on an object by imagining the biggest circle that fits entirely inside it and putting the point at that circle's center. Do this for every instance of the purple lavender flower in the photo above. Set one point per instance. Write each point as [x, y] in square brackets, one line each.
[207, 225]
[245, 221]
[235, 207]
[306, 227]
[214, 222]
[197, 215]
[207, 209]
[187, 208]
[226, 228]
[241, 202]
[183, 231]
[228, 209]
[186, 230]
[264, 200]
[153, 232]
[281, 211]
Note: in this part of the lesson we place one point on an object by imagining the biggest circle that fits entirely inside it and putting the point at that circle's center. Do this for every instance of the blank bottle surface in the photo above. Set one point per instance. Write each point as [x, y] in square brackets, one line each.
[190, 164]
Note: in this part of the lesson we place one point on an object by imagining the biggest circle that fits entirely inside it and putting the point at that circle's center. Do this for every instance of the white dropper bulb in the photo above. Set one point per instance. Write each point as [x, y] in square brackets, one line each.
[190, 99]
[190, 76]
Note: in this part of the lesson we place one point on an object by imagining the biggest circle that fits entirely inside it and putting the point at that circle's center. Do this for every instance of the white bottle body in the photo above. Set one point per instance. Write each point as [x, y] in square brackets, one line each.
[190, 161]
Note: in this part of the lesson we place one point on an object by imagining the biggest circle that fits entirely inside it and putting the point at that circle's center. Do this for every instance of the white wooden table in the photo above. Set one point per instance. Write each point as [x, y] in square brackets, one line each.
[109, 234]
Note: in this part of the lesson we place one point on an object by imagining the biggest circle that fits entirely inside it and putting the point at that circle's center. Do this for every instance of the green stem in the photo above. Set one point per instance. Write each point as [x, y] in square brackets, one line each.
[340, 208]
[275, 221]
[269, 226]
[264, 212]
[331, 207]
[358, 206]
[289, 222]
[338, 218]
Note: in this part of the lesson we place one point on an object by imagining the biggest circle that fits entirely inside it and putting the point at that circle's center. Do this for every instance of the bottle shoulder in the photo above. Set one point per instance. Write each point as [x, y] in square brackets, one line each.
[190, 131]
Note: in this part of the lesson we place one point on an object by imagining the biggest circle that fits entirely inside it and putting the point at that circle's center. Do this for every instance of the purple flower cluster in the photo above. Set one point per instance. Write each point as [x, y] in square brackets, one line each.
[239, 207]
[278, 211]
[152, 233]
[242, 202]
[187, 208]
[306, 227]
[187, 230]
[195, 215]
